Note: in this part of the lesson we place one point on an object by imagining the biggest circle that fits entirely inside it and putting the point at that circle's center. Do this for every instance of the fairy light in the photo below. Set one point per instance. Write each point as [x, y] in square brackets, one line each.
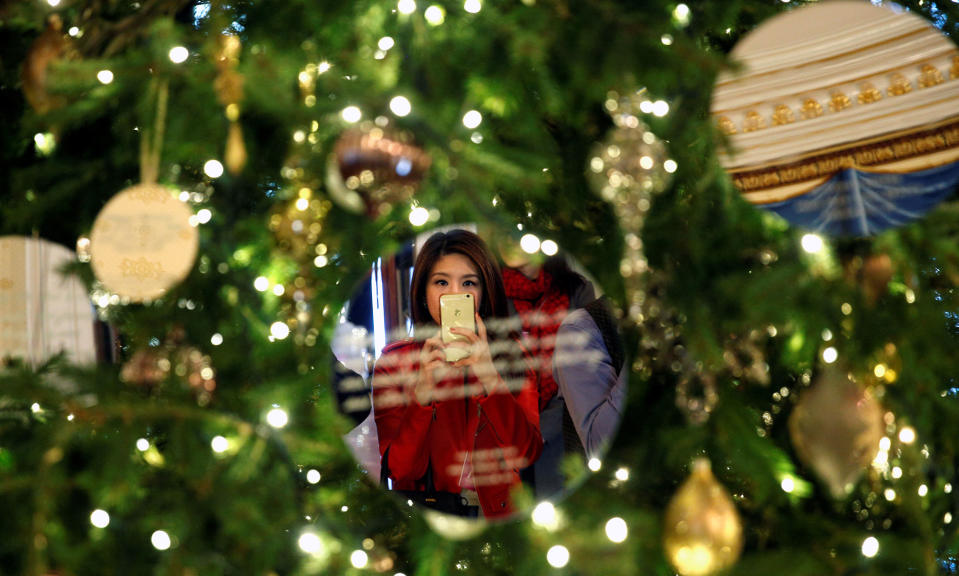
[557, 556]
[204, 215]
[74, 32]
[616, 530]
[321, 261]
[529, 243]
[213, 168]
[666, 39]
[681, 14]
[36, 408]
[100, 518]
[812, 243]
[313, 476]
[279, 330]
[351, 114]
[385, 43]
[829, 355]
[549, 247]
[105, 77]
[219, 444]
[161, 540]
[947, 488]
[419, 216]
[870, 547]
[896, 472]
[545, 516]
[277, 417]
[262, 283]
[889, 494]
[406, 6]
[622, 474]
[279, 290]
[788, 484]
[660, 108]
[45, 143]
[310, 543]
[670, 166]
[435, 15]
[907, 435]
[594, 464]
[359, 559]
[472, 6]
[472, 119]
[143, 444]
[400, 106]
[178, 54]
[947, 518]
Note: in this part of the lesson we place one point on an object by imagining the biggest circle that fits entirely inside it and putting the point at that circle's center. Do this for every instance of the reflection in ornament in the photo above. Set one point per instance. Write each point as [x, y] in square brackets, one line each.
[838, 101]
[150, 367]
[836, 428]
[811, 108]
[929, 76]
[868, 93]
[783, 115]
[703, 532]
[454, 527]
[372, 168]
[899, 85]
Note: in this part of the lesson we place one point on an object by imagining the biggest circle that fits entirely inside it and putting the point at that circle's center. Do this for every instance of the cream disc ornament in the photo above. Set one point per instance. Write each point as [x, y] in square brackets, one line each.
[703, 532]
[841, 117]
[142, 243]
[836, 428]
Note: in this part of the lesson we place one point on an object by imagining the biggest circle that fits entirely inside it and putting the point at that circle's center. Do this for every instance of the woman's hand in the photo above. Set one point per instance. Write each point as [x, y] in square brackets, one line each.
[479, 360]
[431, 360]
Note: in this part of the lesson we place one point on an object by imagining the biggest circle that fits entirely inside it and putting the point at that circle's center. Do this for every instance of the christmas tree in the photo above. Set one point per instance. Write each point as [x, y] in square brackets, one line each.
[792, 403]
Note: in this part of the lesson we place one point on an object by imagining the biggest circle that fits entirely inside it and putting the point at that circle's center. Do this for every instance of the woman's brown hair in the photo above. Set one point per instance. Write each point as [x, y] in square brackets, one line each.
[457, 241]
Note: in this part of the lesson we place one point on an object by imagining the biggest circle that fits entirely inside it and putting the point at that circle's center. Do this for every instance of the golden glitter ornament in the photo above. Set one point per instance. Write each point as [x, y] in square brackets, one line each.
[836, 428]
[703, 532]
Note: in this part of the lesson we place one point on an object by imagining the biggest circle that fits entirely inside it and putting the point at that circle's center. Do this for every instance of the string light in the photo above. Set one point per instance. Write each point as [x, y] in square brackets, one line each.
[616, 530]
[351, 114]
[545, 516]
[889, 494]
[812, 243]
[406, 6]
[419, 216]
[557, 556]
[594, 464]
[213, 168]
[529, 243]
[907, 435]
[472, 6]
[279, 330]
[310, 543]
[788, 484]
[870, 547]
[277, 417]
[279, 290]
[359, 559]
[105, 77]
[100, 518]
[143, 444]
[385, 43]
[622, 474]
[549, 247]
[400, 106]
[262, 283]
[923, 490]
[660, 108]
[161, 540]
[435, 15]
[829, 355]
[313, 476]
[472, 119]
[219, 444]
[178, 54]
[204, 215]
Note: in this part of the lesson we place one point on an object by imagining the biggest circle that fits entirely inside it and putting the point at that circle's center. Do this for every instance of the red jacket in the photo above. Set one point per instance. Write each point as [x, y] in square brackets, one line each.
[462, 428]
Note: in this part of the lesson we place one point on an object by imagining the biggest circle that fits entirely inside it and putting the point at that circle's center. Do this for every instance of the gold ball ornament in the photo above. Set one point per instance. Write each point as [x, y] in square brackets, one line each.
[142, 243]
[703, 532]
[372, 168]
[836, 428]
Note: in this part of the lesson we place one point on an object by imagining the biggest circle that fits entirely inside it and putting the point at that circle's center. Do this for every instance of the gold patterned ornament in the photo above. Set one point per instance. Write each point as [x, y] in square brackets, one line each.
[899, 85]
[929, 76]
[783, 115]
[372, 168]
[142, 243]
[703, 533]
[835, 429]
[811, 108]
[868, 93]
[839, 101]
[754, 121]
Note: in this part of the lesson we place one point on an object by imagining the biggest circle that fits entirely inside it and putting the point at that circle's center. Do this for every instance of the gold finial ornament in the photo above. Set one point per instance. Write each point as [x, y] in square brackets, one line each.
[811, 108]
[929, 76]
[868, 93]
[703, 533]
[726, 125]
[899, 85]
[839, 101]
[783, 115]
[754, 121]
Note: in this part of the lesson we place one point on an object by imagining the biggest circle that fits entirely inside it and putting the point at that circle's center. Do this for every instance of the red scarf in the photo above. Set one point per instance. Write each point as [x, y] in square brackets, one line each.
[541, 308]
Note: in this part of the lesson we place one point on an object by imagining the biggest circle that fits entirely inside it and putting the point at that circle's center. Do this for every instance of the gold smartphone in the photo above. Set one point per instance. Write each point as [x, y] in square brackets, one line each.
[456, 310]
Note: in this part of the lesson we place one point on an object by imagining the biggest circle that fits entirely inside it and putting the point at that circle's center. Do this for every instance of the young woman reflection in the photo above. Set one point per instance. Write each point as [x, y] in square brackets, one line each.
[454, 435]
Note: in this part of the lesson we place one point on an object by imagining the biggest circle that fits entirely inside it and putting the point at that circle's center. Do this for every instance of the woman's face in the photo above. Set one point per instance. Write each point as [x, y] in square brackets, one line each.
[452, 274]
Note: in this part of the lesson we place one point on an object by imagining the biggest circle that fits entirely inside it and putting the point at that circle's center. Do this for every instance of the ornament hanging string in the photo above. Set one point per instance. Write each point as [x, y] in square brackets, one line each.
[150, 151]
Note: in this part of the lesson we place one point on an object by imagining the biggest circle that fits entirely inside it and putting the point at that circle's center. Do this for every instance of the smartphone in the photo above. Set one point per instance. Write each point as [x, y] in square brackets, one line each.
[456, 310]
